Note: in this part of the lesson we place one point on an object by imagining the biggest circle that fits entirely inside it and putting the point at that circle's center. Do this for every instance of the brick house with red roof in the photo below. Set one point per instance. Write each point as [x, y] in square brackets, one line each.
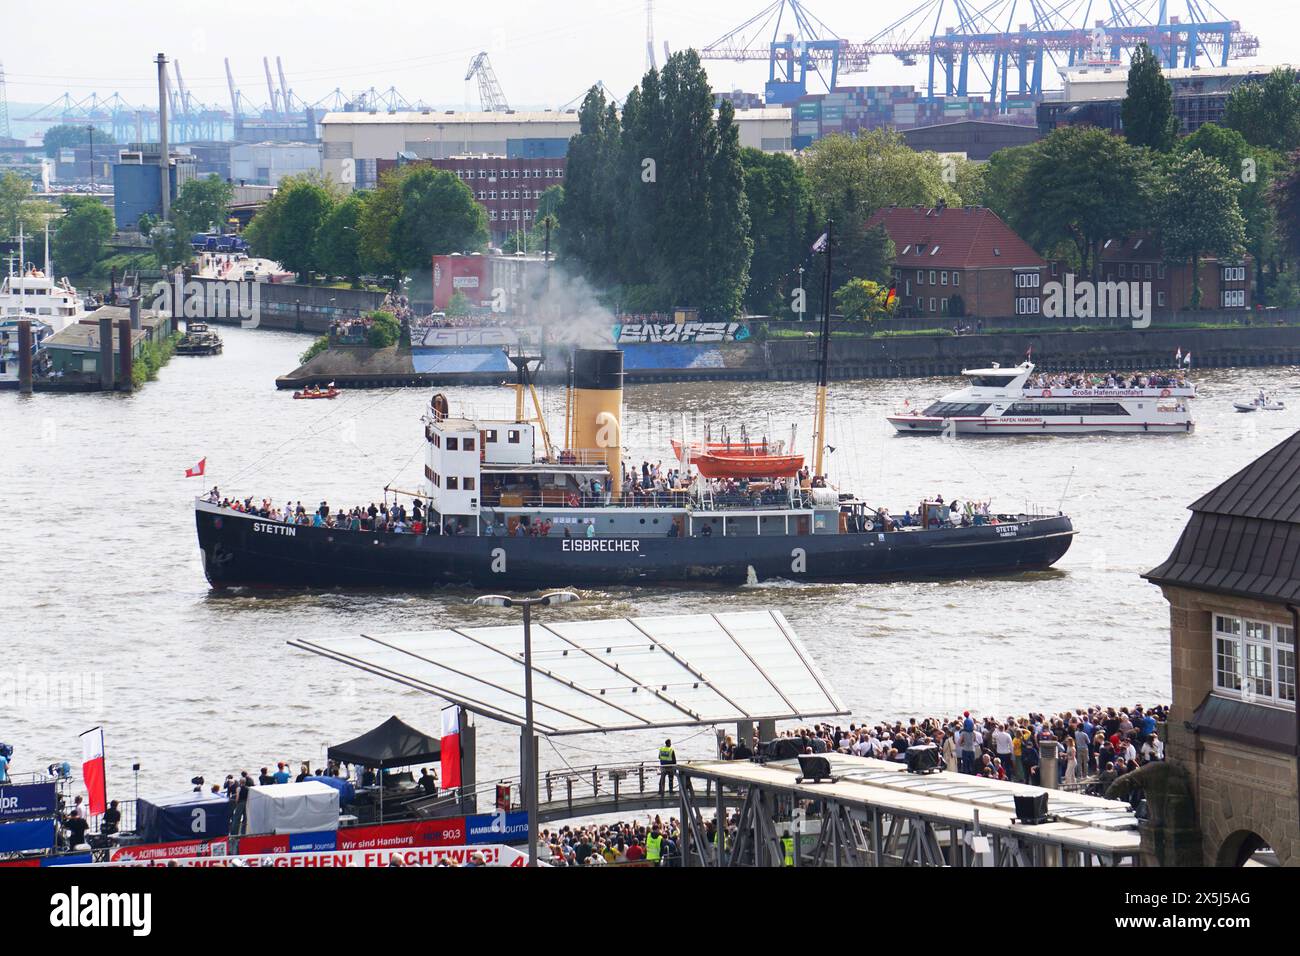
[961, 261]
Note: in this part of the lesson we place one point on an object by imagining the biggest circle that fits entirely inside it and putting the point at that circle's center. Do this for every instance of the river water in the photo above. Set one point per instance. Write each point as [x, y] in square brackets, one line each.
[107, 619]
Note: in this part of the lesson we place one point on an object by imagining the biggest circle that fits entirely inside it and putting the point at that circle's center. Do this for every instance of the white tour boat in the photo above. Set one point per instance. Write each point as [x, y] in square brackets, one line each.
[1002, 401]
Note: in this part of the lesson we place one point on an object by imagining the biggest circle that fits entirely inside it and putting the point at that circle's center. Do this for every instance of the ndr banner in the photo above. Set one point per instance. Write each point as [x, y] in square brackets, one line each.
[27, 800]
[26, 835]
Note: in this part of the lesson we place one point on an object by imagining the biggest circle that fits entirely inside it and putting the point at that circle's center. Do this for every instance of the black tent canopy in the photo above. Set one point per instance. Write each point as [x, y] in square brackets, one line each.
[393, 743]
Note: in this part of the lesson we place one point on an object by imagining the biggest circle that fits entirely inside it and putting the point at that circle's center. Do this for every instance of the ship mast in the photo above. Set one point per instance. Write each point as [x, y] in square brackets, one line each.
[823, 363]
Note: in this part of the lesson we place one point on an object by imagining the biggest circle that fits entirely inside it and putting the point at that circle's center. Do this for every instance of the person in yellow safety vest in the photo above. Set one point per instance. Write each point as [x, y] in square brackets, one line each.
[654, 847]
[787, 843]
[667, 758]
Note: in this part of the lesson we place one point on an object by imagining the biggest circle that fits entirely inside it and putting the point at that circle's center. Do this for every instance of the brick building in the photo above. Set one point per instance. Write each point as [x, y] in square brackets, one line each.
[1224, 284]
[1233, 586]
[508, 188]
[960, 261]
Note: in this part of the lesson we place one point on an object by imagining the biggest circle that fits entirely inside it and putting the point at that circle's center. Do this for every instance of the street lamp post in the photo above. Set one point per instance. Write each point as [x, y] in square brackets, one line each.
[530, 748]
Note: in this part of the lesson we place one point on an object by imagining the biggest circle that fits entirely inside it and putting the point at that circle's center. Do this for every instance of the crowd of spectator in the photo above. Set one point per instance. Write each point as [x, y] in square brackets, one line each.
[395, 518]
[1107, 380]
[1095, 745]
[656, 842]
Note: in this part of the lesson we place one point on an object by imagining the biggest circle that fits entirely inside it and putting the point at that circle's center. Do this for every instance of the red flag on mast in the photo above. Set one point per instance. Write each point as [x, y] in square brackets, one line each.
[92, 769]
[449, 747]
[197, 470]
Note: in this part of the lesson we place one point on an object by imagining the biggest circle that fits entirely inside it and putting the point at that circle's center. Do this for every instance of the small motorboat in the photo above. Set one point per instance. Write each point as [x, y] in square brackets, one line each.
[315, 391]
[198, 340]
[1265, 403]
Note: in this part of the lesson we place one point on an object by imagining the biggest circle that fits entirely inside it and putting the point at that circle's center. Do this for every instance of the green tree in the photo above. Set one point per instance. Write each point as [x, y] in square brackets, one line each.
[171, 247]
[1004, 184]
[285, 230]
[385, 330]
[338, 240]
[1148, 109]
[19, 208]
[203, 204]
[1082, 186]
[1285, 197]
[1196, 212]
[864, 299]
[68, 135]
[80, 234]
[459, 304]
[590, 211]
[654, 201]
[416, 213]
[721, 288]
[968, 179]
[1255, 168]
[1267, 112]
[855, 176]
[782, 220]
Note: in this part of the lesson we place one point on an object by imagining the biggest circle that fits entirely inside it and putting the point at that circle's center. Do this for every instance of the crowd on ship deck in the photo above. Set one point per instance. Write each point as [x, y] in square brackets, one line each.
[1107, 380]
[1095, 745]
[655, 842]
[955, 514]
[395, 518]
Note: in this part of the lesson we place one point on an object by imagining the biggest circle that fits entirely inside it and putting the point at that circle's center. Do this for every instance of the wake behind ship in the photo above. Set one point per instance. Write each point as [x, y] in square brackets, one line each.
[496, 510]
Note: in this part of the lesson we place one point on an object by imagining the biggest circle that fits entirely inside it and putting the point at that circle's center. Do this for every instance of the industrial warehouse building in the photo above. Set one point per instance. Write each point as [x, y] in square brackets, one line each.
[354, 142]
[1094, 95]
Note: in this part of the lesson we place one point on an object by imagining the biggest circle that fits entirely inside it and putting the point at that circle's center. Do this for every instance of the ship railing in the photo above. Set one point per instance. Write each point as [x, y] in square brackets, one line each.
[578, 502]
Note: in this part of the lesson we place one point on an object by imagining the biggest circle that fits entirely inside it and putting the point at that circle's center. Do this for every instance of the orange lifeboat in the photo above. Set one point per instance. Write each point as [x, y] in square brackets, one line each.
[698, 448]
[738, 464]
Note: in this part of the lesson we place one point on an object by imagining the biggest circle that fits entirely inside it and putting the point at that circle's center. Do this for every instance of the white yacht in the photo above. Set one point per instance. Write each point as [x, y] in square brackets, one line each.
[1007, 401]
[34, 295]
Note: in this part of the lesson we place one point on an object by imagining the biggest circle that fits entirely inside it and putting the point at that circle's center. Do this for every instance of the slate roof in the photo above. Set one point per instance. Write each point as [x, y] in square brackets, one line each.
[1244, 536]
[1238, 721]
[966, 237]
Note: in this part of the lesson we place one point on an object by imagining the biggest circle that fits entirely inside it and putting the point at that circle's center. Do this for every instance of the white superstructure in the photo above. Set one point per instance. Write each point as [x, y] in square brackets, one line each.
[1009, 401]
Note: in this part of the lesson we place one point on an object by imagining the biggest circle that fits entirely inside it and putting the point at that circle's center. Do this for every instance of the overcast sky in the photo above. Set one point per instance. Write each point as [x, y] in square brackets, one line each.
[545, 52]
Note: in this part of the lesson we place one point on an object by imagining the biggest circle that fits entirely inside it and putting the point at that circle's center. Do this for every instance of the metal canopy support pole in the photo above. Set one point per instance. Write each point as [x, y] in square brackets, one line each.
[719, 825]
[530, 739]
[683, 782]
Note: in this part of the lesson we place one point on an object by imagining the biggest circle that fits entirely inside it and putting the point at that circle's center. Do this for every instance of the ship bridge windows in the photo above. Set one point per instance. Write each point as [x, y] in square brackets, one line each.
[993, 381]
[1074, 409]
[957, 409]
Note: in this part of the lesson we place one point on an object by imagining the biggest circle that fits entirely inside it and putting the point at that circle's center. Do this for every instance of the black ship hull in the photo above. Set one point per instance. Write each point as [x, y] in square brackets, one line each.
[242, 551]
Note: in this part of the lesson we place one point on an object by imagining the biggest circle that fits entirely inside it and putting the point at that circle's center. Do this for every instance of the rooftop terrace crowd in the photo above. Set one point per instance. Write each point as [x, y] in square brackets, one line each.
[1096, 745]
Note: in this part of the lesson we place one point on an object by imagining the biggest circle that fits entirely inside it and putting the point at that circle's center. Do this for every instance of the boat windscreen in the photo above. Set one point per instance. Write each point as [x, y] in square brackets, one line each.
[993, 381]
[956, 409]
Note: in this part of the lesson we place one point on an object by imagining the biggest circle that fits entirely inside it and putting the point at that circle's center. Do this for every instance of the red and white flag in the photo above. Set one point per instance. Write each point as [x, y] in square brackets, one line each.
[92, 769]
[449, 748]
[197, 470]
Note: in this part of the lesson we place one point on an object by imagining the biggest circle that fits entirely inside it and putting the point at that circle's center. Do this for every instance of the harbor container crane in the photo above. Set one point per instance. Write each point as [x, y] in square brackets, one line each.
[489, 90]
[975, 50]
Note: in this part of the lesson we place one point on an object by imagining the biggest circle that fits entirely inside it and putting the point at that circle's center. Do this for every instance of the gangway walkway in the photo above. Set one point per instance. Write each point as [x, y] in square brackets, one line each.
[875, 813]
